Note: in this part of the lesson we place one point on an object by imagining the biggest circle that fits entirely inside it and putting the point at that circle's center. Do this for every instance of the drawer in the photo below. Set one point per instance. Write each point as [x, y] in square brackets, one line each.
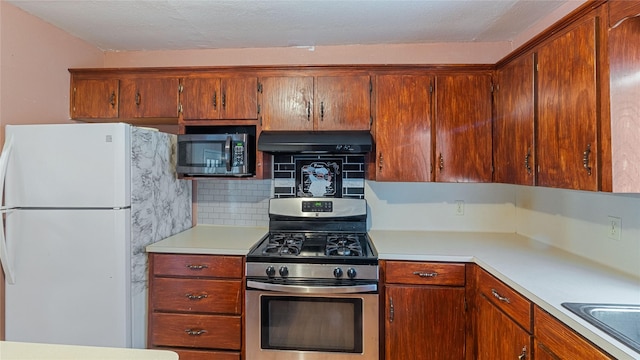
[197, 295]
[198, 265]
[205, 355]
[424, 273]
[563, 341]
[197, 331]
[506, 299]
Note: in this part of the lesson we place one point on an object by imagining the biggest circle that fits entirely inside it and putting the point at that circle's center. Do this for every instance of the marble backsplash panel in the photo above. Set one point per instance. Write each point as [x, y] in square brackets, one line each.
[160, 203]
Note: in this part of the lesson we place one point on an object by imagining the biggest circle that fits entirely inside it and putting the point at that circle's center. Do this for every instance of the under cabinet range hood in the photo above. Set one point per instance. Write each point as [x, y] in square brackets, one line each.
[315, 142]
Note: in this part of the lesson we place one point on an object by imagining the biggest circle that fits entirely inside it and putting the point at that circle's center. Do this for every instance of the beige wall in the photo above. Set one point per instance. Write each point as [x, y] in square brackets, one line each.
[34, 58]
[34, 81]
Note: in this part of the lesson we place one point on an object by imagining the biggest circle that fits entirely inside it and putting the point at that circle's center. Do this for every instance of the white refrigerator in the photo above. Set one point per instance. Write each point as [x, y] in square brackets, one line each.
[82, 201]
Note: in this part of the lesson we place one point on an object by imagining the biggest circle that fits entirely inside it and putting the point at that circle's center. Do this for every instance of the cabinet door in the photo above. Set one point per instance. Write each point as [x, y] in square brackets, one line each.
[403, 128]
[286, 103]
[343, 103]
[568, 110]
[498, 337]
[239, 98]
[624, 68]
[200, 98]
[149, 98]
[94, 98]
[425, 322]
[513, 152]
[463, 128]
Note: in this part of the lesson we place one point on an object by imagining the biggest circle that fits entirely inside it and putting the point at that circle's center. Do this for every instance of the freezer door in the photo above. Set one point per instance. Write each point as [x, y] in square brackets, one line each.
[72, 277]
[69, 166]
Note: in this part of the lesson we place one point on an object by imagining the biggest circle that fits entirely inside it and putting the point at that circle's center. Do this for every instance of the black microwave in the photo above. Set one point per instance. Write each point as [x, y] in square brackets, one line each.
[215, 155]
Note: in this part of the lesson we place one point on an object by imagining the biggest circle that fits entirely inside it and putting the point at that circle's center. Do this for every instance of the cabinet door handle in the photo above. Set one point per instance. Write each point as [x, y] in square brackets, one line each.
[215, 100]
[500, 297]
[380, 162]
[138, 99]
[112, 100]
[308, 110]
[527, 166]
[441, 162]
[196, 297]
[196, 267]
[322, 111]
[192, 332]
[224, 100]
[523, 354]
[585, 159]
[425, 274]
[391, 310]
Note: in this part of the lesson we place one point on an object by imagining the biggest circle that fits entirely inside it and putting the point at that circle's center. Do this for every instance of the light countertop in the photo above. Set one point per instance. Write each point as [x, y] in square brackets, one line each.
[546, 275]
[10, 350]
[211, 239]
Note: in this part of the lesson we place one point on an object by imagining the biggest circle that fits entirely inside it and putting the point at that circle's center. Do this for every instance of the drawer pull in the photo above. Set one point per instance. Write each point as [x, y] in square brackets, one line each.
[500, 297]
[196, 297]
[425, 275]
[197, 267]
[192, 332]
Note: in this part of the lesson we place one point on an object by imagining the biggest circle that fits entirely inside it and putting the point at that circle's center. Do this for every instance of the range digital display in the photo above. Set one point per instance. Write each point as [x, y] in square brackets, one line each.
[317, 206]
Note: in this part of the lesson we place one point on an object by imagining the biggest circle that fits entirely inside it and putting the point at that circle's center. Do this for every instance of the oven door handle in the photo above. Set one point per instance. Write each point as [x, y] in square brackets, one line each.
[300, 289]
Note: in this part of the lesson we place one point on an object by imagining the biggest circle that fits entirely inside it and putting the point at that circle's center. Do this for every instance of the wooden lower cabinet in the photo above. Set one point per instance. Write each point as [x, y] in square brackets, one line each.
[196, 305]
[498, 336]
[424, 310]
[503, 320]
[556, 341]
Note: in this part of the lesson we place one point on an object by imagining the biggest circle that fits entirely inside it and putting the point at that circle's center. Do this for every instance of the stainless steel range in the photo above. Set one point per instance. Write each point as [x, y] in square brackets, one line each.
[312, 283]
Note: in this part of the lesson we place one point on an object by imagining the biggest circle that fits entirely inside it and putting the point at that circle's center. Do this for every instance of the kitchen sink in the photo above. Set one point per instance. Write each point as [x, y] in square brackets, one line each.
[621, 322]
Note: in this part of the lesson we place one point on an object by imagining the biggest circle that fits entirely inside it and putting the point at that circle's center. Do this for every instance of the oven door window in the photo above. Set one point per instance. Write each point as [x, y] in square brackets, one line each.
[311, 324]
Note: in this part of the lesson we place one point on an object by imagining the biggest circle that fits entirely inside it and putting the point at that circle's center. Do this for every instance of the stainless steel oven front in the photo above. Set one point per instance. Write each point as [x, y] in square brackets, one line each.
[305, 321]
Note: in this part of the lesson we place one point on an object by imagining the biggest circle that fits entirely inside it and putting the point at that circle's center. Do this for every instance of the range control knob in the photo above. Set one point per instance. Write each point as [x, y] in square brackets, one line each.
[284, 271]
[337, 273]
[271, 271]
[351, 273]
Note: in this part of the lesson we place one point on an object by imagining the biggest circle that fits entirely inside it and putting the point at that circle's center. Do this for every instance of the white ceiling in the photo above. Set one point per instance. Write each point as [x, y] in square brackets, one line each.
[121, 25]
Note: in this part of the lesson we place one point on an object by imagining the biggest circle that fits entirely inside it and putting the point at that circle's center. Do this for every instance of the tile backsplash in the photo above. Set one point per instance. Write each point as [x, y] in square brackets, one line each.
[233, 202]
[350, 173]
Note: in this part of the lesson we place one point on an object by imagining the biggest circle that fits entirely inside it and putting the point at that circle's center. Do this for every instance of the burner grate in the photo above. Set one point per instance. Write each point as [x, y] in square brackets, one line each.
[284, 244]
[343, 245]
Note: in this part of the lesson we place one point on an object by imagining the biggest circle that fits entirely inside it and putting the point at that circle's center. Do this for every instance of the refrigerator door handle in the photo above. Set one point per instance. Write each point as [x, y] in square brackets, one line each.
[5, 261]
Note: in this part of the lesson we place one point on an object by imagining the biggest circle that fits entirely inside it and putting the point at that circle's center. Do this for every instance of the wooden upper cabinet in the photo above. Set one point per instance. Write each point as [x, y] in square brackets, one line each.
[403, 127]
[513, 135]
[149, 97]
[94, 98]
[341, 102]
[286, 103]
[463, 128]
[214, 98]
[624, 67]
[567, 144]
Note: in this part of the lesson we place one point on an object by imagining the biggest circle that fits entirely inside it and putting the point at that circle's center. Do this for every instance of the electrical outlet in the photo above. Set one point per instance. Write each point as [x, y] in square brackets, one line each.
[614, 228]
[459, 207]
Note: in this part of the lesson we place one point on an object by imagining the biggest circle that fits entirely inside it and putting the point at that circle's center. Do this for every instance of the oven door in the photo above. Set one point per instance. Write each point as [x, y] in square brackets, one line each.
[310, 323]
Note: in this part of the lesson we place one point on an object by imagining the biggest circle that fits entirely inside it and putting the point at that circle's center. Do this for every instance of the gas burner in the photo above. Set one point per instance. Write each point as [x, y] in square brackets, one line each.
[343, 245]
[284, 244]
